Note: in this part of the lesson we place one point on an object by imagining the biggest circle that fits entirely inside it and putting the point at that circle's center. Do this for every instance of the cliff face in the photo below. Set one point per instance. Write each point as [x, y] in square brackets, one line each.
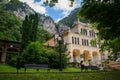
[68, 21]
[22, 9]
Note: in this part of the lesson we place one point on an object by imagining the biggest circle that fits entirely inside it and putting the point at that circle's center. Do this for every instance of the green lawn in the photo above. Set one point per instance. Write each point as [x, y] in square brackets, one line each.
[6, 68]
[67, 74]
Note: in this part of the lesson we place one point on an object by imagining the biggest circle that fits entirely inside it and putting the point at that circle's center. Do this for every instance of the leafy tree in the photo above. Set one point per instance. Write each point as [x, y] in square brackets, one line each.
[11, 59]
[51, 3]
[36, 53]
[106, 18]
[9, 26]
[43, 35]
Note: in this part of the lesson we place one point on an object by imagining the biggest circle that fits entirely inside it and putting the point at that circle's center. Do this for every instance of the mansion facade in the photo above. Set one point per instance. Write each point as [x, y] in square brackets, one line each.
[80, 44]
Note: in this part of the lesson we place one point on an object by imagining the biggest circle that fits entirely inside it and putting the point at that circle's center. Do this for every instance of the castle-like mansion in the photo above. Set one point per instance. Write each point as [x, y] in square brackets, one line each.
[80, 41]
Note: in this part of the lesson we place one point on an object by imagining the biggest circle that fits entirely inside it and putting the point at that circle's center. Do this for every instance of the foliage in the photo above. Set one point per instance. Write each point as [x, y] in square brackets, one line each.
[36, 53]
[51, 3]
[14, 2]
[11, 59]
[54, 60]
[9, 26]
[29, 30]
[106, 15]
[43, 35]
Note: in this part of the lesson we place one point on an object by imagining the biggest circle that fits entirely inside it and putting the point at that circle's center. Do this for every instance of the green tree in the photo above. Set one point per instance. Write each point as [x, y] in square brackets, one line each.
[29, 30]
[51, 3]
[43, 35]
[9, 26]
[36, 53]
[106, 18]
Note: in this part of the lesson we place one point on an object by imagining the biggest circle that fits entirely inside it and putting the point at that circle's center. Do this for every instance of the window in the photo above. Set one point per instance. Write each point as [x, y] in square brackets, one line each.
[85, 42]
[73, 40]
[92, 34]
[84, 32]
[82, 42]
[78, 40]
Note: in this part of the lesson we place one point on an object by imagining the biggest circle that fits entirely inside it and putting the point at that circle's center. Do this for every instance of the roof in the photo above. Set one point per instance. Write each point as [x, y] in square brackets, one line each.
[115, 65]
[9, 41]
[51, 42]
[65, 32]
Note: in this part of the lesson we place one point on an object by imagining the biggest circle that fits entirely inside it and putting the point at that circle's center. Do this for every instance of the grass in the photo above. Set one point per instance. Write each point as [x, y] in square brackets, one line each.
[7, 68]
[66, 74]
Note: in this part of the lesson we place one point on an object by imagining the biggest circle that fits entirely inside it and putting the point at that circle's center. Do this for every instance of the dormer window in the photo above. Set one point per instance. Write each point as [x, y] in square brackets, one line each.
[84, 32]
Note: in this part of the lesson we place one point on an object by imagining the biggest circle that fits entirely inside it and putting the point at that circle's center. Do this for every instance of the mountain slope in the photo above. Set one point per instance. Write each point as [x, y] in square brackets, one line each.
[22, 9]
[70, 19]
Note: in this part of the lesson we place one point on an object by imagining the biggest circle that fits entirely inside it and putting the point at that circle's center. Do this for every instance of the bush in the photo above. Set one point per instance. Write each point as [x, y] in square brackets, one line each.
[36, 53]
[11, 59]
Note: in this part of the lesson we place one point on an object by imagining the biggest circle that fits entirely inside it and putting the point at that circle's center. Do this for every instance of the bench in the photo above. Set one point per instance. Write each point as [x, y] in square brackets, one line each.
[37, 66]
[92, 67]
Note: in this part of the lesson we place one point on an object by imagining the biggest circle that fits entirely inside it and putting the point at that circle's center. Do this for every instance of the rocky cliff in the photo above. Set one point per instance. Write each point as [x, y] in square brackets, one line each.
[22, 9]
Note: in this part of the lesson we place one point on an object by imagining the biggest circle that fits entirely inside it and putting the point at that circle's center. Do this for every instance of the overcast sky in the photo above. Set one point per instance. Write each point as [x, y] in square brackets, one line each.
[59, 11]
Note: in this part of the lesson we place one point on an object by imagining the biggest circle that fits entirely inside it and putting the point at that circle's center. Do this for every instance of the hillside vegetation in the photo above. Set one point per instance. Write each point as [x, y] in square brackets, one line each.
[9, 26]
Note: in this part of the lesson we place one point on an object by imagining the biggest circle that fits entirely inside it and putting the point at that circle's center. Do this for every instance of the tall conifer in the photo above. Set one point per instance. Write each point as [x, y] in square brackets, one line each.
[29, 30]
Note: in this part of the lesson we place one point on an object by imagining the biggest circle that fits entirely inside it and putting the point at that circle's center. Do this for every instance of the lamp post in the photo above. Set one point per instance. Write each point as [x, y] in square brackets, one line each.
[60, 55]
[89, 61]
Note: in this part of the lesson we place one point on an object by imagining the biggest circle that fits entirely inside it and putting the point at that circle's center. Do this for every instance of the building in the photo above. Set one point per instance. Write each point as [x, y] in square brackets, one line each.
[81, 44]
[8, 47]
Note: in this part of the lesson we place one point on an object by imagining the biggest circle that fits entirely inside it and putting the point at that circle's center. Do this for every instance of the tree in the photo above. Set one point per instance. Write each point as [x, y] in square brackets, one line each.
[9, 26]
[51, 3]
[29, 30]
[36, 53]
[104, 15]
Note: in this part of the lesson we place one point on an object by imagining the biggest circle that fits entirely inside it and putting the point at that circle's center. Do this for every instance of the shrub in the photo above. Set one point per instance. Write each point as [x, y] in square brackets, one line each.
[11, 59]
[36, 53]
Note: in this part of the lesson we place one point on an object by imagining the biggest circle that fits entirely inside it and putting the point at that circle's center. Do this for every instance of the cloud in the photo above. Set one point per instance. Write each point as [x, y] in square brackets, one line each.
[64, 5]
[36, 5]
[58, 20]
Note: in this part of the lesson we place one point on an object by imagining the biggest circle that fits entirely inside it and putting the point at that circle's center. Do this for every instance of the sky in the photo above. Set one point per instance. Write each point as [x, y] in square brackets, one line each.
[57, 12]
